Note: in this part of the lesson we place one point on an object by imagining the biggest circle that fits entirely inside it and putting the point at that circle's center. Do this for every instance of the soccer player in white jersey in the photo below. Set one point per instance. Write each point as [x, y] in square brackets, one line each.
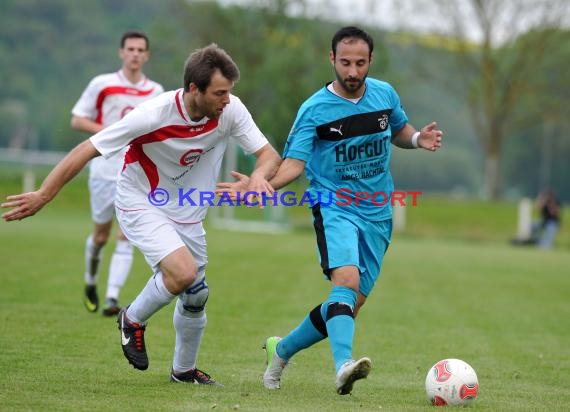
[106, 100]
[176, 142]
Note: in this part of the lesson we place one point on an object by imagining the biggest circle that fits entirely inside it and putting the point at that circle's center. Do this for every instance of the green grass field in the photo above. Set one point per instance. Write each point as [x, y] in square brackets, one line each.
[456, 289]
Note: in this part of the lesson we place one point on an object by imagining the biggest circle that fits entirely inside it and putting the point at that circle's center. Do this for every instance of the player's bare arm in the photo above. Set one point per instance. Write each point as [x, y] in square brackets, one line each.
[289, 171]
[85, 124]
[429, 137]
[266, 165]
[28, 204]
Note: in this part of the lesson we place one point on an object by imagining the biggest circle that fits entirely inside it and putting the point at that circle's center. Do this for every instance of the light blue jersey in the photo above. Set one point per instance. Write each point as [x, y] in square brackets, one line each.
[346, 147]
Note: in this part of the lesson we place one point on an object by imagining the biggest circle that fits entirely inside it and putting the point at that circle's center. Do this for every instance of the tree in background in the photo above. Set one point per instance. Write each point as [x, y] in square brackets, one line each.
[274, 51]
[500, 46]
[538, 156]
[280, 46]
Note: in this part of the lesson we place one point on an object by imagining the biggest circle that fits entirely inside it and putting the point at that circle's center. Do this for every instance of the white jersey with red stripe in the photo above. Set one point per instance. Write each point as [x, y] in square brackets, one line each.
[106, 100]
[173, 158]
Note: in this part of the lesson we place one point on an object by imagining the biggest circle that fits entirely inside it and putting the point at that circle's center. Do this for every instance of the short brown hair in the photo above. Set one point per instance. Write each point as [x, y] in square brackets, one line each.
[202, 63]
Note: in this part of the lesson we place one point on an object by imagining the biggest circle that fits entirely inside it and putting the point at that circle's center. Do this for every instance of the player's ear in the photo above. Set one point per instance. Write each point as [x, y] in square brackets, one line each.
[331, 57]
[193, 89]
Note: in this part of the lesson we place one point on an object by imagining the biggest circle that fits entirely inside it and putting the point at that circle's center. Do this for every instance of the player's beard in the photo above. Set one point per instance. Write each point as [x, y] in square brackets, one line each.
[213, 113]
[208, 109]
[350, 85]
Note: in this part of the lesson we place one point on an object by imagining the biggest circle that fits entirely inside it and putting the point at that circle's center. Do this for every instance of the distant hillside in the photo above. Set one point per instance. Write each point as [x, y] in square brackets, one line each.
[50, 50]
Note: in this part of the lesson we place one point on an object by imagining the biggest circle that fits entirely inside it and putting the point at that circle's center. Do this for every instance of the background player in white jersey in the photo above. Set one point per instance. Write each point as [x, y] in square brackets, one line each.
[176, 142]
[352, 121]
[106, 100]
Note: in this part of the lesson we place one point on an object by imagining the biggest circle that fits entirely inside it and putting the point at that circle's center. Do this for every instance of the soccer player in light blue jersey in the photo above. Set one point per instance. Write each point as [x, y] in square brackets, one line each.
[342, 139]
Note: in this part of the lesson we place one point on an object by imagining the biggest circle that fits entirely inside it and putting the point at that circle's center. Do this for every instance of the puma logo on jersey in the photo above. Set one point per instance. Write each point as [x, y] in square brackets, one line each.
[334, 129]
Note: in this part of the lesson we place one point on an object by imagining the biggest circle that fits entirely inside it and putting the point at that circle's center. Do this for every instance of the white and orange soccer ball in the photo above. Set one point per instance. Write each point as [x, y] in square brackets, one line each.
[451, 382]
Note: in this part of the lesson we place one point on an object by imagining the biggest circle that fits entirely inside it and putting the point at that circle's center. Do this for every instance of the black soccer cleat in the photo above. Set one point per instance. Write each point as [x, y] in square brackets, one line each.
[195, 376]
[91, 299]
[132, 341]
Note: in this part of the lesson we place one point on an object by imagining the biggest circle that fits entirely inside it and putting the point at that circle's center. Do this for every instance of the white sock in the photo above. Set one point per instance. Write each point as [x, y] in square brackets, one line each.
[152, 298]
[119, 269]
[189, 331]
[92, 258]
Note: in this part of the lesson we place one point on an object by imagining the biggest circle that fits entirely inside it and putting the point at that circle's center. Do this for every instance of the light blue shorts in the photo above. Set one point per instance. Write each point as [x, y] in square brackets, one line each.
[344, 239]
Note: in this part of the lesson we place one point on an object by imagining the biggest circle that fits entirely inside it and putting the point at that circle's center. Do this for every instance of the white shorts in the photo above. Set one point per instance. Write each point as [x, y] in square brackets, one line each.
[157, 236]
[102, 200]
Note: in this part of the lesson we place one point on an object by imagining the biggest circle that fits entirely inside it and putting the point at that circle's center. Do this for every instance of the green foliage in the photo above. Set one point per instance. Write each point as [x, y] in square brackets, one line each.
[50, 50]
[276, 55]
[500, 308]
[541, 143]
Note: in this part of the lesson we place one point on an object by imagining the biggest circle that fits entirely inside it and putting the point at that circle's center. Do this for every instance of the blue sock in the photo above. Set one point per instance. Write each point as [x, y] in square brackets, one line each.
[338, 312]
[311, 330]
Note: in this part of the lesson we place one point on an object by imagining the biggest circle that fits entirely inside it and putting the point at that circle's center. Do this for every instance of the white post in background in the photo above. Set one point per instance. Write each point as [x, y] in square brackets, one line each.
[231, 163]
[399, 217]
[28, 181]
[524, 227]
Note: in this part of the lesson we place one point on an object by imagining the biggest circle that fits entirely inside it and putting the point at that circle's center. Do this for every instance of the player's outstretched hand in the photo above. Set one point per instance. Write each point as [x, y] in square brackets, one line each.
[258, 190]
[430, 137]
[233, 189]
[23, 205]
[247, 189]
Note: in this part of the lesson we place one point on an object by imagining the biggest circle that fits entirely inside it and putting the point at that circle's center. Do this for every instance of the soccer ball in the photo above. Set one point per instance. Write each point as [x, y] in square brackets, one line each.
[451, 382]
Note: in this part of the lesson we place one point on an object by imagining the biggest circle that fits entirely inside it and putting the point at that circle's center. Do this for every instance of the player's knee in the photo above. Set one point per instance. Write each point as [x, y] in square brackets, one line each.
[347, 276]
[195, 297]
[187, 276]
[100, 239]
[353, 284]
[179, 278]
[101, 233]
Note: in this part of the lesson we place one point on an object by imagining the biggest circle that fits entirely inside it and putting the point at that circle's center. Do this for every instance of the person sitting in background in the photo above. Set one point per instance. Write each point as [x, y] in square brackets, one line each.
[550, 209]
